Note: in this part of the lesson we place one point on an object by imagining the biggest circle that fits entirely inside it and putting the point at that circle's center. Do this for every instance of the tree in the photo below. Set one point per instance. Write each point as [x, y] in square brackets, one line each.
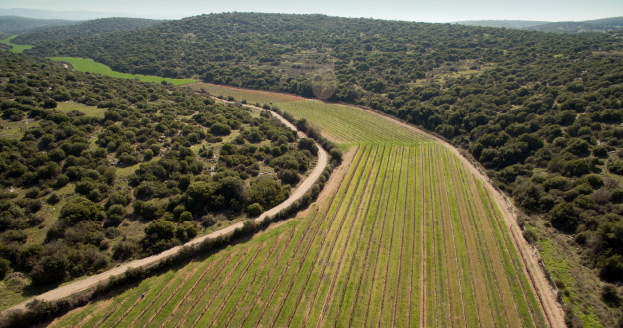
[78, 209]
[308, 144]
[254, 209]
[564, 217]
[612, 269]
[5, 267]
[186, 231]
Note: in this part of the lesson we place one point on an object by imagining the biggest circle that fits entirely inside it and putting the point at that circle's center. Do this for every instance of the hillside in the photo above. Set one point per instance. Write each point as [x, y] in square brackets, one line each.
[76, 15]
[601, 25]
[516, 24]
[96, 171]
[539, 111]
[16, 25]
[570, 27]
[84, 29]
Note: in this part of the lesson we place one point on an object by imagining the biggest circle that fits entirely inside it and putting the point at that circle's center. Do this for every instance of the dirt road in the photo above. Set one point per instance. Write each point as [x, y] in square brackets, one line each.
[84, 284]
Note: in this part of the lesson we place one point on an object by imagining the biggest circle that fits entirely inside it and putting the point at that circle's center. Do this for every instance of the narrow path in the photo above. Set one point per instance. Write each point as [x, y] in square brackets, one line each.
[92, 281]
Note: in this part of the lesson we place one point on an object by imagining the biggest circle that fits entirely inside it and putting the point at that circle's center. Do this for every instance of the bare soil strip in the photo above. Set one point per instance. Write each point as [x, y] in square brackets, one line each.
[483, 302]
[331, 247]
[256, 274]
[188, 276]
[402, 242]
[268, 276]
[338, 269]
[231, 290]
[365, 260]
[269, 301]
[391, 241]
[459, 271]
[378, 251]
[423, 247]
[154, 299]
[541, 287]
[350, 269]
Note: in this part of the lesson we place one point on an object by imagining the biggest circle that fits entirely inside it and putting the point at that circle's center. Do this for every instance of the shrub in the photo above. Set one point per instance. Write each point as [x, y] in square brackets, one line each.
[612, 269]
[254, 209]
[78, 209]
[610, 295]
[186, 231]
[5, 267]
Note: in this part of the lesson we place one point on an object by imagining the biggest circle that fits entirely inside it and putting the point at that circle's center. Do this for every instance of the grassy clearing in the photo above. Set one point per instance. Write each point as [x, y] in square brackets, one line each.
[90, 66]
[17, 48]
[69, 106]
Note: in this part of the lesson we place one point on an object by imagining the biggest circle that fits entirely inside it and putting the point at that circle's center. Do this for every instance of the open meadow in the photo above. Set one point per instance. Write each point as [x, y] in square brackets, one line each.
[407, 236]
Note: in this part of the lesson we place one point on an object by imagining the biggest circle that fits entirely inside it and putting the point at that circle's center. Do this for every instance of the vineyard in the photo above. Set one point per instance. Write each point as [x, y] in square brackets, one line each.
[410, 238]
[343, 124]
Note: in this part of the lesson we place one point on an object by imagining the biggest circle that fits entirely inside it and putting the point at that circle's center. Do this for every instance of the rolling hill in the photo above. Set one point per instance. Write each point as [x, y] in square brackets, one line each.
[84, 29]
[16, 25]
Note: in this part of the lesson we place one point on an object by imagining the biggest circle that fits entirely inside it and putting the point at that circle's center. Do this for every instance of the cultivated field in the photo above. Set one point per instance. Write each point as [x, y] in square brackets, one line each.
[88, 65]
[408, 238]
[17, 48]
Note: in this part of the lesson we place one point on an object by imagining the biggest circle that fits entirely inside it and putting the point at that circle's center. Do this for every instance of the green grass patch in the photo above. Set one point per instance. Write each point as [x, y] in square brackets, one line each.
[90, 66]
[17, 48]
[69, 106]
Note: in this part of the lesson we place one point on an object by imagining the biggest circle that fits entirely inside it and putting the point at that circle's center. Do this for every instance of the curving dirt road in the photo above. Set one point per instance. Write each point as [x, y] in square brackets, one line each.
[84, 284]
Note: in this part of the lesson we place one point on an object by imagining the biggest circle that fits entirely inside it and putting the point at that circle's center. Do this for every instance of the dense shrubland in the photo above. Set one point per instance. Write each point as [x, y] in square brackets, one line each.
[128, 169]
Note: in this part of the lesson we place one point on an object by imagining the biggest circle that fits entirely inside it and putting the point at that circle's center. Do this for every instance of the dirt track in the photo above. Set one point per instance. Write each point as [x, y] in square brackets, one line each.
[84, 284]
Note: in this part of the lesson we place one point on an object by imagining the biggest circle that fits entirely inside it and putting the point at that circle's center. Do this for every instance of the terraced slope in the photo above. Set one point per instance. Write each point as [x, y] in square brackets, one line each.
[408, 238]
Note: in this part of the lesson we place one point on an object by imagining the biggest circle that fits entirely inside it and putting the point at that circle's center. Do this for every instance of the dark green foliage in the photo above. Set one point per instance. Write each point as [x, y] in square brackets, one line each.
[254, 209]
[267, 192]
[615, 166]
[186, 231]
[564, 217]
[159, 235]
[610, 295]
[83, 29]
[612, 269]
[78, 209]
[5, 267]
[16, 25]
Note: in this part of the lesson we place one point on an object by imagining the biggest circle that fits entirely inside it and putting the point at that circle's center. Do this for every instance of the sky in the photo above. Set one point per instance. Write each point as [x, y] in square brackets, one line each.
[436, 11]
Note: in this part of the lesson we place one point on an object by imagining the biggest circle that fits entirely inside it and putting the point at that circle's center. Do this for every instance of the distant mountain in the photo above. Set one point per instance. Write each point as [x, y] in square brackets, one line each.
[596, 25]
[66, 15]
[516, 24]
[16, 25]
[88, 28]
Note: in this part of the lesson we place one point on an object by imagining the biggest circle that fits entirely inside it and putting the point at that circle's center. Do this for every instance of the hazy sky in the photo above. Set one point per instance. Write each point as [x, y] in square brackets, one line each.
[412, 10]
